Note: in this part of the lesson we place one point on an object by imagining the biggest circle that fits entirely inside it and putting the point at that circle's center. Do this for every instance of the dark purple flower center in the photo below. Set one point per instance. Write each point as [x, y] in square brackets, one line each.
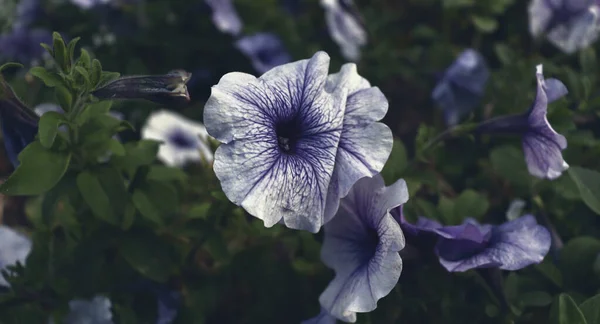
[266, 54]
[182, 140]
[288, 134]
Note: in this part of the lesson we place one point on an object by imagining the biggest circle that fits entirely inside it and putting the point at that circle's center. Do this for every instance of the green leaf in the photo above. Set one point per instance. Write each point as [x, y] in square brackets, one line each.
[40, 169]
[587, 60]
[485, 24]
[64, 98]
[48, 49]
[128, 216]
[93, 109]
[164, 173]
[60, 51]
[71, 48]
[147, 255]
[96, 74]
[84, 59]
[577, 262]
[509, 162]
[535, 299]
[95, 197]
[588, 182]
[116, 147]
[107, 77]
[397, 162]
[50, 79]
[85, 75]
[10, 65]
[146, 207]
[591, 309]
[504, 53]
[48, 127]
[470, 203]
[568, 312]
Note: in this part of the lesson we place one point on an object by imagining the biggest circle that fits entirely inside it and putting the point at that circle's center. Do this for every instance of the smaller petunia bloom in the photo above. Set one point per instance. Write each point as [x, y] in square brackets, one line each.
[542, 145]
[462, 86]
[19, 123]
[567, 24]
[323, 318]
[94, 311]
[163, 89]
[14, 247]
[23, 45]
[225, 17]
[346, 27]
[361, 245]
[183, 140]
[511, 246]
[265, 51]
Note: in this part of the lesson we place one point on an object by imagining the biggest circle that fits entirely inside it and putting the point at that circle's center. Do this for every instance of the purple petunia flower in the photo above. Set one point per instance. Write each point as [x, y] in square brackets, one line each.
[541, 144]
[23, 45]
[14, 247]
[19, 124]
[225, 17]
[265, 50]
[285, 133]
[462, 86]
[361, 245]
[346, 27]
[511, 246]
[94, 311]
[569, 25]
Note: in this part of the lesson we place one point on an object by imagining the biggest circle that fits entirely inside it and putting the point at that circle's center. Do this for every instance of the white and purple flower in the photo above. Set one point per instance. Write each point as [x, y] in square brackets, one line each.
[511, 246]
[295, 139]
[94, 311]
[265, 51]
[361, 245]
[569, 25]
[462, 86]
[225, 17]
[14, 247]
[541, 144]
[346, 27]
[184, 140]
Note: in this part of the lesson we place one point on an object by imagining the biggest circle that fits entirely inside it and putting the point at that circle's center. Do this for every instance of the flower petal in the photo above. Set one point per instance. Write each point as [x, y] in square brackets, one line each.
[541, 144]
[225, 17]
[365, 145]
[513, 246]
[345, 27]
[578, 32]
[361, 244]
[265, 50]
[323, 318]
[540, 14]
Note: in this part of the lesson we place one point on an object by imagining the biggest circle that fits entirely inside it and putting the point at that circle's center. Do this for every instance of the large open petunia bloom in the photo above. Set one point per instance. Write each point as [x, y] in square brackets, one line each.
[510, 246]
[265, 51]
[345, 26]
[285, 133]
[361, 245]
[14, 247]
[225, 17]
[542, 145]
[462, 86]
[183, 140]
[569, 25]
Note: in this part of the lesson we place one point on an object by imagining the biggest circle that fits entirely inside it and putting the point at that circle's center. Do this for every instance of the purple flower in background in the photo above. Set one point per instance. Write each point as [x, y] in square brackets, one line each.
[183, 140]
[281, 135]
[27, 12]
[323, 318]
[510, 246]
[95, 311]
[23, 45]
[462, 86]
[168, 305]
[346, 27]
[14, 247]
[541, 144]
[361, 245]
[225, 17]
[265, 50]
[569, 25]
[423, 224]
[19, 124]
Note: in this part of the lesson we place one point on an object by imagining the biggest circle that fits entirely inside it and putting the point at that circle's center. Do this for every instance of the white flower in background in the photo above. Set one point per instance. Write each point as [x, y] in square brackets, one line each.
[184, 140]
[14, 247]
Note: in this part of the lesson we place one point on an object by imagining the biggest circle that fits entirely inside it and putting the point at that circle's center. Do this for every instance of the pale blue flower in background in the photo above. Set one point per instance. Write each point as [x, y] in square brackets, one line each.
[14, 247]
[570, 25]
[361, 245]
[94, 311]
[285, 133]
[346, 27]
[88, 4]
[183, 140]
[462, 86]
[265, 51]
[225, 17]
